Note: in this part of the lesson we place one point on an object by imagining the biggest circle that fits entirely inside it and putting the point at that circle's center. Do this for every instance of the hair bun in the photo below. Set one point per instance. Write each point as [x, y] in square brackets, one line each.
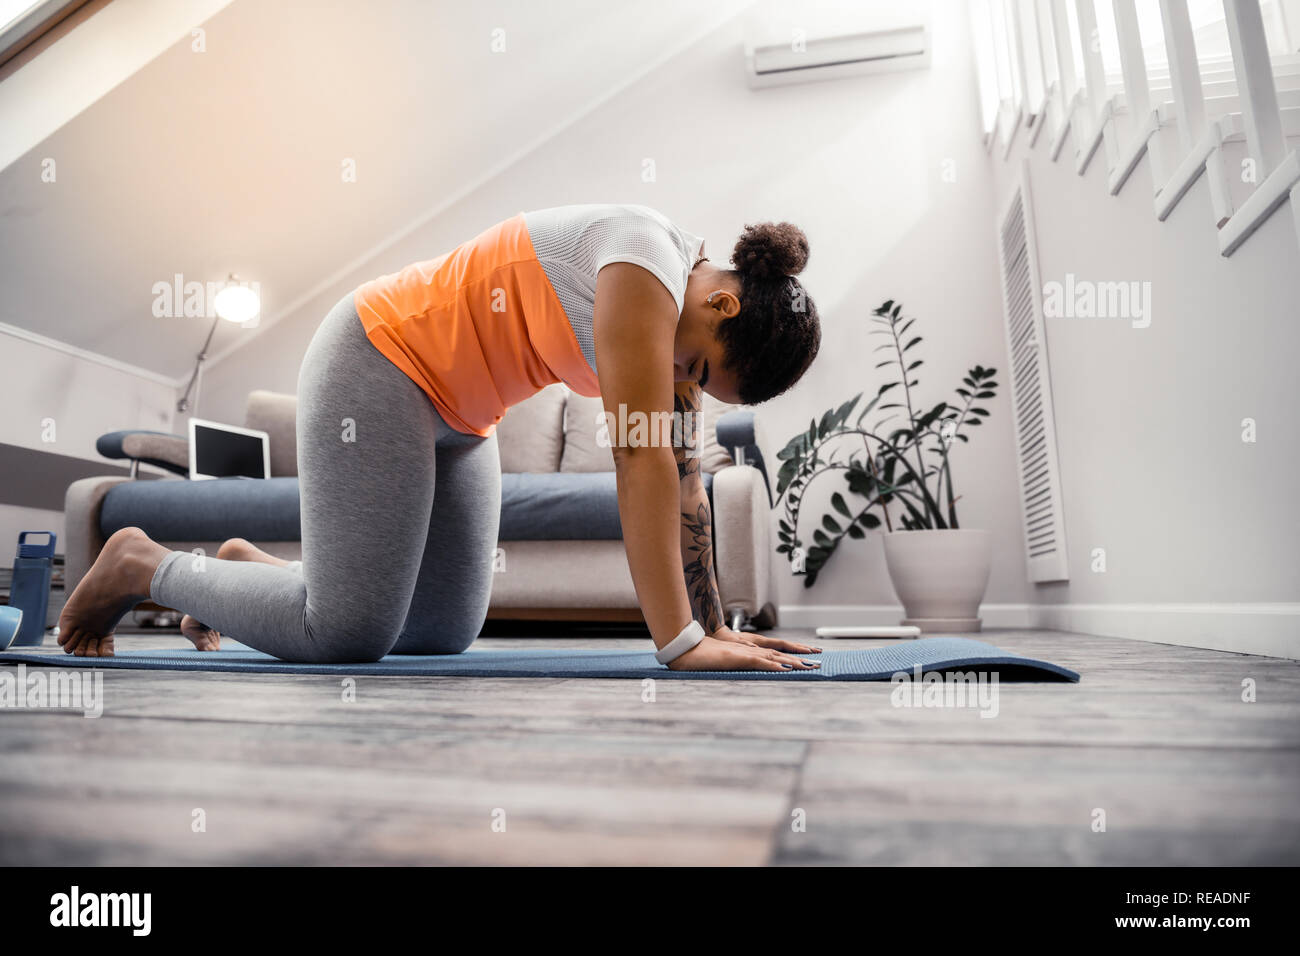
[771, 249]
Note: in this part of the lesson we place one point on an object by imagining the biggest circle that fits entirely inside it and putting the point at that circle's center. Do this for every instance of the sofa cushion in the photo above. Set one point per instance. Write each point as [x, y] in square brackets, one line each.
[584, 451]
[531, 435]
[563, 506]
[180, 510]
[541, 507]
[583, 426]
[534, 507]
[276, 414]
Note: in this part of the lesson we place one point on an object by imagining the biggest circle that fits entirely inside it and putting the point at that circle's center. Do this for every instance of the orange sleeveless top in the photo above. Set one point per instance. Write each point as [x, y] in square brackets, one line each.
[478, 329]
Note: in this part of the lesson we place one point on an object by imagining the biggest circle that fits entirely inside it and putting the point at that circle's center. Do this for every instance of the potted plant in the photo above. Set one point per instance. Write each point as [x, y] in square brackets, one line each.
[896, 471]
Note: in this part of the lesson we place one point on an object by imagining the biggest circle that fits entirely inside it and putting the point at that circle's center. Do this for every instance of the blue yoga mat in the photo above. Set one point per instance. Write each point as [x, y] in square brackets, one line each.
[876, 663]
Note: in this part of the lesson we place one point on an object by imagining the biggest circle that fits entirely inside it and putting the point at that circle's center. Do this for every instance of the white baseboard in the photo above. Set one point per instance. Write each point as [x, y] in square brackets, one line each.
[1271, 630]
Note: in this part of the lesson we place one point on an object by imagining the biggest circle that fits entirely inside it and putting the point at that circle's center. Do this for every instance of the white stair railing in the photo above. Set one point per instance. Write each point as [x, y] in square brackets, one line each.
[1208, 102]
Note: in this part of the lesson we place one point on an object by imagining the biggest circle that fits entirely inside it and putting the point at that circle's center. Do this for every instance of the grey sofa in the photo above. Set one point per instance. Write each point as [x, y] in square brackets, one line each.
[560, 551]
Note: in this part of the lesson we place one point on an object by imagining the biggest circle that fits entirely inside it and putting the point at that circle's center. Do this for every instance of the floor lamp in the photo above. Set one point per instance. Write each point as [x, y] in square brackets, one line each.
[234, 303]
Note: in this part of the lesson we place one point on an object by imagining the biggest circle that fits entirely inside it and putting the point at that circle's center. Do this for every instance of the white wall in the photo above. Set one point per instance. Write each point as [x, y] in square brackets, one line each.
[90, 60]
[859, 164]
[78, 393]
[60, 402]
[1199, 528]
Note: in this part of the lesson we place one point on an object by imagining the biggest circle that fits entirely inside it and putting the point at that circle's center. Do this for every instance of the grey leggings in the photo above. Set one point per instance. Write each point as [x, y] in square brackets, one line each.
[393, 561]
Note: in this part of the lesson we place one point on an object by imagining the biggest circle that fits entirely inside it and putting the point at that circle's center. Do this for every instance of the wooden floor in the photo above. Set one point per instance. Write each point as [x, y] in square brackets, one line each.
[586, 772]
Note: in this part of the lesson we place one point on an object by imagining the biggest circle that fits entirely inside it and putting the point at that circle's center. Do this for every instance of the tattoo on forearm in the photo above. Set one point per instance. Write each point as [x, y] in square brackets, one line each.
[686, 414]
[697, 520]
[697, 555]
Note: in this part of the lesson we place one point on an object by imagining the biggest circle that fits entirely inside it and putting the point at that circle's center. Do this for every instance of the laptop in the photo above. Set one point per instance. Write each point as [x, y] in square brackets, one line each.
[226, 451]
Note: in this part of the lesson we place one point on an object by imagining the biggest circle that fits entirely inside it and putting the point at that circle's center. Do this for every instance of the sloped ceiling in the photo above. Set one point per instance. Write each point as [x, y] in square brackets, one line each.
[232, 159]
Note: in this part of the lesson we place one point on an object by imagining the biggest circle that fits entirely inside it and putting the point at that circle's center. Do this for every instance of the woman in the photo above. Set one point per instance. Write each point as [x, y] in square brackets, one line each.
[399, 395]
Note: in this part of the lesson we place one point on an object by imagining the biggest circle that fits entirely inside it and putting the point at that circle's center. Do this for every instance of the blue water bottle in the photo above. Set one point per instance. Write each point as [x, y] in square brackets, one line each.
[30, 591]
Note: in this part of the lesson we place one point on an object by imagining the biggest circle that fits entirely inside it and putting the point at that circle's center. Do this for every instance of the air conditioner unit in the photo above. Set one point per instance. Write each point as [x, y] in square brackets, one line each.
[796, 59]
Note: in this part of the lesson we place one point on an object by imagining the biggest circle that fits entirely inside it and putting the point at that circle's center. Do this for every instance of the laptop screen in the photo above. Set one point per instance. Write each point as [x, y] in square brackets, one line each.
[225, 454]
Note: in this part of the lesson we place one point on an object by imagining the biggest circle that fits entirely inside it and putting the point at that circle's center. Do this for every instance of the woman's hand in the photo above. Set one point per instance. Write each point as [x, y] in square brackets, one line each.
[758, 640]
[720, 654]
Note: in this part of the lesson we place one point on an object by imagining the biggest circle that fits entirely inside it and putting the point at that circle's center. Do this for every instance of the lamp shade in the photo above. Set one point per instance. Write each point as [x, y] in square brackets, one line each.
[236, 303]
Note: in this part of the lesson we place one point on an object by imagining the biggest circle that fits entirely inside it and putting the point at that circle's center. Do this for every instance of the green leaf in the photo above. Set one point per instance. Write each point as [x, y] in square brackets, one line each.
[844, 411]
[784, 477]
[838, 503]
[859, 482]
[831, 525]
[824, 425]
[866, 410]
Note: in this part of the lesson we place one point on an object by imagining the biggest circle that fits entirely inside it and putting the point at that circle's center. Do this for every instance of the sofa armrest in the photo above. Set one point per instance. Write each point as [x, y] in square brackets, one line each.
[738, 433]
[82, 539]
[741, 523]
[161, 449]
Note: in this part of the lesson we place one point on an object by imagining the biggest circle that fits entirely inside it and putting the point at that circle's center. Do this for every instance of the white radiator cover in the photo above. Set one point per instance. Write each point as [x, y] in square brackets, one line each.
[1031, 388]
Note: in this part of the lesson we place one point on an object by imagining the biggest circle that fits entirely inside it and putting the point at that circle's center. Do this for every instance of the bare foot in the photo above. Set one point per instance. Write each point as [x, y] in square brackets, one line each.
[200, 635]
[117, 582]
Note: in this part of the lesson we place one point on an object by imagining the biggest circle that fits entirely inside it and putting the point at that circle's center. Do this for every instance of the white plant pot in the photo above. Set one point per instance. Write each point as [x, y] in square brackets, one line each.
[940, 577]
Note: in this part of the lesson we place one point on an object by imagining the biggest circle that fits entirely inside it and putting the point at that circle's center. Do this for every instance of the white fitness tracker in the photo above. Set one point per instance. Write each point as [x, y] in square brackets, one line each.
[689, 636]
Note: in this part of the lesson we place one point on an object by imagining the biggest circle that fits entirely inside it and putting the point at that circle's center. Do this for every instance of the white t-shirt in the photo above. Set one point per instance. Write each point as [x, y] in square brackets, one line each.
[573, 243]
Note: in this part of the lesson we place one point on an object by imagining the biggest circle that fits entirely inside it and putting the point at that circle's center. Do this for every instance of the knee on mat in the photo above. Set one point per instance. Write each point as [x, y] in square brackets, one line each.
[457, 639]
[442, 639]
[439, 643]
[346, 645]
[330, 654]
[455, 642]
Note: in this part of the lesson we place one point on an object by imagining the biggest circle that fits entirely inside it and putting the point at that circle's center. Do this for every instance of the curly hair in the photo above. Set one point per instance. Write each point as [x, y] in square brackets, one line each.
[770, 343]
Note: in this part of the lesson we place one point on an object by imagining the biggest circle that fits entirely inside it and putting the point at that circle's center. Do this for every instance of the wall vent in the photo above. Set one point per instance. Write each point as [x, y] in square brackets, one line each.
[1031, 389]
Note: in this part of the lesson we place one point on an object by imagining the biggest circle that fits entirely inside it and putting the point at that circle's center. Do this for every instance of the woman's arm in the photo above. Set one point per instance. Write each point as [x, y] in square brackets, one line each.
[697, 530]
[635, 324]
[696, 517]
